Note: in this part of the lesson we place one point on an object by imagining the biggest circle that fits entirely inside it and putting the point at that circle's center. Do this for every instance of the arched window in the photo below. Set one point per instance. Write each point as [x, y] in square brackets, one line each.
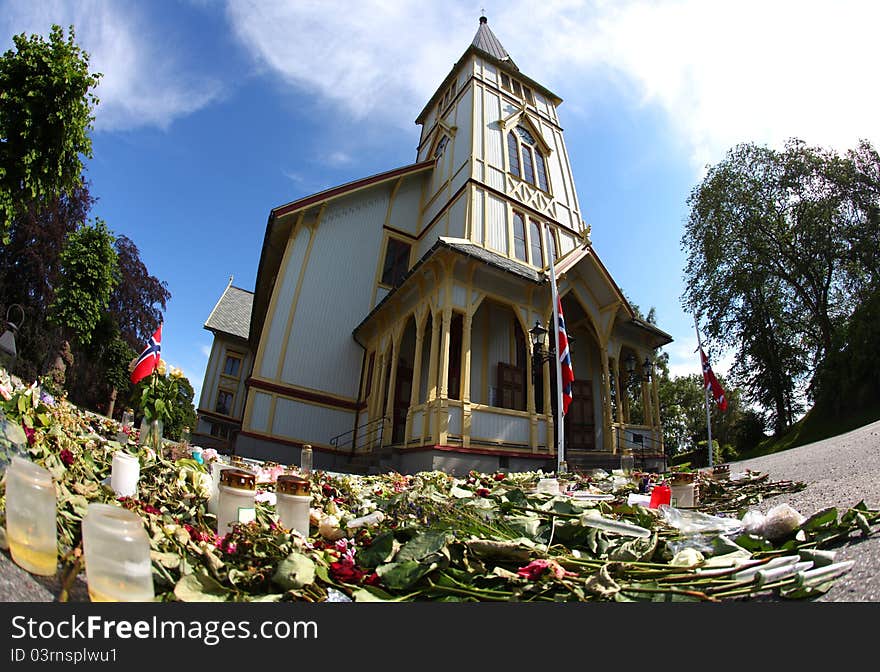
[535, 243]
[521, 143]
[519, 236]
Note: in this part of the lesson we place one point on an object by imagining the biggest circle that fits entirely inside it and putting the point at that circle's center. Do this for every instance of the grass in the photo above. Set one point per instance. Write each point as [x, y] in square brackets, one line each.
[817, 424]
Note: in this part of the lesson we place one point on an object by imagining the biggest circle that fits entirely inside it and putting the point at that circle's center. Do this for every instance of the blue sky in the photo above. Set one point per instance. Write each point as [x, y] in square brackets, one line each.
[213, 112]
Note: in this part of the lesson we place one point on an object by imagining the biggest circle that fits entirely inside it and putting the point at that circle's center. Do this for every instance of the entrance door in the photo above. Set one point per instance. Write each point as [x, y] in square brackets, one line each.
[402, 394]
[580, 428]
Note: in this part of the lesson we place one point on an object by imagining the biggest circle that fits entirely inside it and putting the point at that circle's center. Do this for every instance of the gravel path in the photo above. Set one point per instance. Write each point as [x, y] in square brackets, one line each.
[840, 471]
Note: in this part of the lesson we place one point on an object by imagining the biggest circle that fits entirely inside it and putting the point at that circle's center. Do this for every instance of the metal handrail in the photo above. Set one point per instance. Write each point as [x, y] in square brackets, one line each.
[379, 422]
[640, 452]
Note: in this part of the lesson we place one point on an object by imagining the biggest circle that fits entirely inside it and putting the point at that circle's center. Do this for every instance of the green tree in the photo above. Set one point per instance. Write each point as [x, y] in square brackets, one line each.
[781, 246]
[46, 104]
[89, 272]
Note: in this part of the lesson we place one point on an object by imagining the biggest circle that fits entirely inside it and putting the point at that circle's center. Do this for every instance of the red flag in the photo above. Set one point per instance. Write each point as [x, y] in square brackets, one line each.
[564, 363]
[711, 383]
[149, 359]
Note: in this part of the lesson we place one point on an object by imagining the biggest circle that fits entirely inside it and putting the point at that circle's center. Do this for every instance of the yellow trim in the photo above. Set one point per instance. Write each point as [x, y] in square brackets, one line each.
[270, 419]
[276, 290]
[313, 229]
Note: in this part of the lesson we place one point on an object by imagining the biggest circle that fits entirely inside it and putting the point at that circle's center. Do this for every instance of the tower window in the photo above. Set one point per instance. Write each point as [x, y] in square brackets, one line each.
[519, 236]
[534, 167]
[396, 262]
[535, 243]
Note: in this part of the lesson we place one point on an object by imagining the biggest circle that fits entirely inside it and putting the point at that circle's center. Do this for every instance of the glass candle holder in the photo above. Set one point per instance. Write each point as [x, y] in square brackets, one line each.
[627, 462]
[305, 460]
[126, 470]
[236, 500]
[31, 528]
[117, 555]
[292, 501]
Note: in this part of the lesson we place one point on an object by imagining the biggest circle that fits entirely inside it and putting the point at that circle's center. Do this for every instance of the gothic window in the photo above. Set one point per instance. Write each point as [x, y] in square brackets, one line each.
[519, 237]
[513, 154]
[534, 168]
[396, 262]
[536, 243]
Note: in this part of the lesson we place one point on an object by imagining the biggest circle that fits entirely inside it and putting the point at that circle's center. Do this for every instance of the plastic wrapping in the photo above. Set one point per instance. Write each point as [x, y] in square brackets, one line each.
[695, 521]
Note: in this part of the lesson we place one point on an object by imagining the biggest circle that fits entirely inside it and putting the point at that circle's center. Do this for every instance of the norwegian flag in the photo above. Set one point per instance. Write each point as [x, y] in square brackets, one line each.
[711, 383]
[564, 362]
[149, 359]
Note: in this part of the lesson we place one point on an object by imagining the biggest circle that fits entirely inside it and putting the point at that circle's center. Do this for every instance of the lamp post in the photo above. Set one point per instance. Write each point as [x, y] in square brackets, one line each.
[540, 354]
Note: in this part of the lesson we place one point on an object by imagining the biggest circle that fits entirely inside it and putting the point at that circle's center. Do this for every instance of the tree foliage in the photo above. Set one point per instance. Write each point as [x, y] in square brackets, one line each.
[88, 275]
[139, 299]
[782, 246]
[46, 104]
[29, 273]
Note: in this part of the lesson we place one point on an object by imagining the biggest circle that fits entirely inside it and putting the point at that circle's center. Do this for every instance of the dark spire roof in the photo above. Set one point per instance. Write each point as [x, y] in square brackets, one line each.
[485, 40]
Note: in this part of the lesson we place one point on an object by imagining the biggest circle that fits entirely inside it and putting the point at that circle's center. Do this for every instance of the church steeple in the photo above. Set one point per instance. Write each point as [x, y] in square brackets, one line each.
[486, 41]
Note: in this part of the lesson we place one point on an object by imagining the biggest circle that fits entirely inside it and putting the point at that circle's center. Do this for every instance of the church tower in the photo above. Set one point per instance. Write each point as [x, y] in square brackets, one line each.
[492, 125]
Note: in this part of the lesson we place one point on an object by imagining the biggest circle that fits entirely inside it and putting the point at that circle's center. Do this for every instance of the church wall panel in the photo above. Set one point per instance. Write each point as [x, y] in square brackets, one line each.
[260, 412]
[336, 294]
[296, 420]
[274, 335]
[496, 224]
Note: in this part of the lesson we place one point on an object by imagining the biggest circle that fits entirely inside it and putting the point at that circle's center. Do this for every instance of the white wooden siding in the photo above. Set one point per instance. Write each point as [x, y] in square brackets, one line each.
[566, 242]
[299, 421]
[542, 432]
[416, 426]
[478, 328]
[405, 210]
[499, 427]
[476, 134]
[340, 275]
[558, 174]
[260, 412]
[490, 73]
[457, 215]
[459, 296]
[477, 216]
[492, 113]
[454, 420]
[496, 223]
[208, 396]
[464, 120]
[273, 336]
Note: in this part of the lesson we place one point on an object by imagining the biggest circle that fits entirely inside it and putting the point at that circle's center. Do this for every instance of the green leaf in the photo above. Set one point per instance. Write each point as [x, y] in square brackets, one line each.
[200, 587]
[636, 550]
[421, 546]
[821, 519]
[372, 594]
[524, 525]
[377, 553]
[402, 575]
[295, 571]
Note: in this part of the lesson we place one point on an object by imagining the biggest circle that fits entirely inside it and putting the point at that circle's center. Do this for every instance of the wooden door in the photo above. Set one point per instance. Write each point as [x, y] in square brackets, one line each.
[580, 427]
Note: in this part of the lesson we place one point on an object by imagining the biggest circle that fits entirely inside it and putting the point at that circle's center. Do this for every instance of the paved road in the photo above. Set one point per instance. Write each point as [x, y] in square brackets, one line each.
[841, 472]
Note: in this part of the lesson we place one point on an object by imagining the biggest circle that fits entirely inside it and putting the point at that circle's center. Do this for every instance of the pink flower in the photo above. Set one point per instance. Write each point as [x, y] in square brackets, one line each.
[538, 568]
[6, 392]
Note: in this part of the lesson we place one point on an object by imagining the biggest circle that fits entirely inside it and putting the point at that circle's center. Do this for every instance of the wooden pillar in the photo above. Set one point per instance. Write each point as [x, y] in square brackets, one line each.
[416, 384]
[606, 403]
[377, 397]
[432, 377]
[467, 325]
[618, 415]
[389, 405]
[442, 423]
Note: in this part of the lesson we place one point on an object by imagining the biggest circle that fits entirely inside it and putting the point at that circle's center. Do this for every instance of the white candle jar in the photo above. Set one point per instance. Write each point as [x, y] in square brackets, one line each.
[125, 473]
[213, 502]
[236, 500]
[31, 517]
[292, 501]
[117, 555]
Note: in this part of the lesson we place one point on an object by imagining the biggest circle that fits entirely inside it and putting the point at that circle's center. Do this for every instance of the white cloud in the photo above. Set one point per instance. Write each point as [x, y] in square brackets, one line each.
[722, 73]
[143, 82]
[376, 57]
[205, 350]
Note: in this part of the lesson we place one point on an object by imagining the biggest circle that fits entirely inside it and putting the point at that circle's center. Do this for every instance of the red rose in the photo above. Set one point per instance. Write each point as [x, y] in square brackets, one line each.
[482, 492]
[500, 477]
[66, 457]
[346, 571]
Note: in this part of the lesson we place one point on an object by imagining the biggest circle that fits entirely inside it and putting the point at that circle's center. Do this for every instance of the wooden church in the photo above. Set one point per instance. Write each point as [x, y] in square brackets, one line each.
[392, 321]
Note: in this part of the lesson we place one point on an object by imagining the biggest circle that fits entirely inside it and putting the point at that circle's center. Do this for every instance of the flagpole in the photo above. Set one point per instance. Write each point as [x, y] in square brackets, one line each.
[560, 429]
[706, 394]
